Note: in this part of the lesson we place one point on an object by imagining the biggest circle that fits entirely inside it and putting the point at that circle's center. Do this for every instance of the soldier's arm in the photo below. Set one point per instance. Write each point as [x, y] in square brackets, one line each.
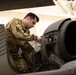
[24, 36]
[19, 33]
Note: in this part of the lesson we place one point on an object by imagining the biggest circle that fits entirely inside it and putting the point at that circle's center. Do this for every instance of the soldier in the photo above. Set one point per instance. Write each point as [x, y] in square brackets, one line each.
[17, 36]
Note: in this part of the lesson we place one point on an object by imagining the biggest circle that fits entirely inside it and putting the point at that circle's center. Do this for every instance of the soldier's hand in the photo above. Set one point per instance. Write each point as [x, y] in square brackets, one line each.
[39, 39]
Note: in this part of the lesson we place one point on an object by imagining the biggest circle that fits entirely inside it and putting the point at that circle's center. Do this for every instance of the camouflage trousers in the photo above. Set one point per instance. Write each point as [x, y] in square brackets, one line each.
[21, 65]
[18, 63]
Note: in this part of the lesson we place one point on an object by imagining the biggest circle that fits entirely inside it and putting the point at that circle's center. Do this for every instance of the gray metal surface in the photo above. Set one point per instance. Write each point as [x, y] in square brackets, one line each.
[4, 66]
[18, 4]
[67, 69]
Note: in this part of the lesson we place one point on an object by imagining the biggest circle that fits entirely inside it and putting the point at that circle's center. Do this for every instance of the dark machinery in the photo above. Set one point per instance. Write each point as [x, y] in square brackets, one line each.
[58, 42]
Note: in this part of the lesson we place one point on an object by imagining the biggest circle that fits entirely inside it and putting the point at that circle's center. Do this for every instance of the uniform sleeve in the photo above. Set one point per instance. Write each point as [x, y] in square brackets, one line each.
[20, 34]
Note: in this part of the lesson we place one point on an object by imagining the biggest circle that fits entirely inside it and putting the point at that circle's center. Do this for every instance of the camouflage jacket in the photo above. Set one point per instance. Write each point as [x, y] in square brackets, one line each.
[19, 31]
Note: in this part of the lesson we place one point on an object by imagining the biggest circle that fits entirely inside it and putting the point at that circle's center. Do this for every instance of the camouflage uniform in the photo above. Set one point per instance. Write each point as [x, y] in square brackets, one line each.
[17, 36]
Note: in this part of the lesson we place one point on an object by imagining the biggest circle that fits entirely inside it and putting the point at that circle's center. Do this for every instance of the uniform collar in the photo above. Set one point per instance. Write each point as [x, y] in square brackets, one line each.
[23, 26]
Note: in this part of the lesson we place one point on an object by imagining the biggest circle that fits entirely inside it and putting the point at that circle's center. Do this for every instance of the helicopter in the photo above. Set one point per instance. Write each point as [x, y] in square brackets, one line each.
[57, 44]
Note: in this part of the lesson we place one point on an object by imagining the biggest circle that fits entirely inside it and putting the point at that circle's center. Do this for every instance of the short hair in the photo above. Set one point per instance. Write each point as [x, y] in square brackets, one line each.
[32, 15]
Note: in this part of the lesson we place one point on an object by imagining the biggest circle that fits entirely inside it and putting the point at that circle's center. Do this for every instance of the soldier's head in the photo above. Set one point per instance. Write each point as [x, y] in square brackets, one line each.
[30, 20]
